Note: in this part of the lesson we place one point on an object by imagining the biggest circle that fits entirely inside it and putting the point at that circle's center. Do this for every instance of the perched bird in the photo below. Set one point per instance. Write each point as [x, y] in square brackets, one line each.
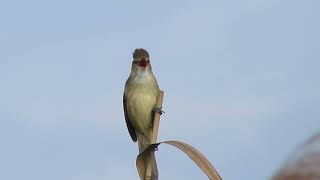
[139, 100]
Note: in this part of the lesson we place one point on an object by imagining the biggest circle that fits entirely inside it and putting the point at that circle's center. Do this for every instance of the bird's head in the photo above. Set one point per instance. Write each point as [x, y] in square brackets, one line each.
[141, 60]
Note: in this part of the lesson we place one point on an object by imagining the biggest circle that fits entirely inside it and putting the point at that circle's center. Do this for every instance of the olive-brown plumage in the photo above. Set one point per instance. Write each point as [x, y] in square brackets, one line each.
[139, 99]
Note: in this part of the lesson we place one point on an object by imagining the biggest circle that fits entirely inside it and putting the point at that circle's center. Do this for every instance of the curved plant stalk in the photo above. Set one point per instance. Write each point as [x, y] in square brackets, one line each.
[202, 162]
[144, 166]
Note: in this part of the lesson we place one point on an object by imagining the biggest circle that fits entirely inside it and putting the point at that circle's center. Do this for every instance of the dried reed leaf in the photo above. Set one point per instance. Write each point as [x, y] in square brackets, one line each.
[142, 160]
[193, 153]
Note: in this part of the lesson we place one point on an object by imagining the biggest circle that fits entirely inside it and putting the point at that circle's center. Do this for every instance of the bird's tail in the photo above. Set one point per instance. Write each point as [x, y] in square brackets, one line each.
[143, 143]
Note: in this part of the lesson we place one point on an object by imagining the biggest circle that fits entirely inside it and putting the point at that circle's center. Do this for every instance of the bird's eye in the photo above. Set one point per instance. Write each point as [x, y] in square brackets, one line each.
[148, 61]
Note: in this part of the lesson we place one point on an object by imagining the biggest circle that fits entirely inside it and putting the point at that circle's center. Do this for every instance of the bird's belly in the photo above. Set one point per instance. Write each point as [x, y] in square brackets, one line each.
[140, 109]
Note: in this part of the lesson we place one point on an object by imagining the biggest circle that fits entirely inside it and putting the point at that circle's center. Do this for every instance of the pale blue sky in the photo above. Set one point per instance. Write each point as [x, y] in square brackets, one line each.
[241, 80]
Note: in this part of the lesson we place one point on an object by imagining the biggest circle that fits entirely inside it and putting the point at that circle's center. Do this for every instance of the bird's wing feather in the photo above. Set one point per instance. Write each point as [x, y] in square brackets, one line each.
[129, 125]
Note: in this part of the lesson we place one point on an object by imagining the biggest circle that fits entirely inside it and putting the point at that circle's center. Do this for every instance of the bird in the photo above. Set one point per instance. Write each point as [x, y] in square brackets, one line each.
[139, 101]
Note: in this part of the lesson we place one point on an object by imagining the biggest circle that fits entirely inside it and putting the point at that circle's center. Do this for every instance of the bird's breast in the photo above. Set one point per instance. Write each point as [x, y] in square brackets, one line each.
[141, 100]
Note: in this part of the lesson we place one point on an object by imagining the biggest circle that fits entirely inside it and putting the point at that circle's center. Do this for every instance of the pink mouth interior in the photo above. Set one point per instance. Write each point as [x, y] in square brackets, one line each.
[143, 63]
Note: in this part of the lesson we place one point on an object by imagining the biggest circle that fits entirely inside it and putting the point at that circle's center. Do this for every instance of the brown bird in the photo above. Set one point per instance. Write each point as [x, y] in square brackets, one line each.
[139, 100]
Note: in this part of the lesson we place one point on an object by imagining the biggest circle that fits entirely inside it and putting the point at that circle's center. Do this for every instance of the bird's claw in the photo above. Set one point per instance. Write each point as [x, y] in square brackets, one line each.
[159, 110]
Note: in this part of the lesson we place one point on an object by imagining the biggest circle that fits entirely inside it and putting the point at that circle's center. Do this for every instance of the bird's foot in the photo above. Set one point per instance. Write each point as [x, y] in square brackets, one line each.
[159, 110]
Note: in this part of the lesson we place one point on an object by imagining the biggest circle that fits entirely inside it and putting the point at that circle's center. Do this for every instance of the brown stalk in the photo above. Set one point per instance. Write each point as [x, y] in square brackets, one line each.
[154, 133]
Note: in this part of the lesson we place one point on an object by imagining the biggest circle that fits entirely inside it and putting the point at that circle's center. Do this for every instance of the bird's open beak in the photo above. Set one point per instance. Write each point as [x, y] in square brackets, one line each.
[143, 63]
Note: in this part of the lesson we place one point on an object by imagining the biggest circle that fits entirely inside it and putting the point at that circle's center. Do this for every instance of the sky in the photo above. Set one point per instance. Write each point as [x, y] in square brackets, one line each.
[241, 82]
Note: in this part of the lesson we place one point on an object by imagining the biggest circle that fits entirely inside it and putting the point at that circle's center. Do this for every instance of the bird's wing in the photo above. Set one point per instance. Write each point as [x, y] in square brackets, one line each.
[129, 125]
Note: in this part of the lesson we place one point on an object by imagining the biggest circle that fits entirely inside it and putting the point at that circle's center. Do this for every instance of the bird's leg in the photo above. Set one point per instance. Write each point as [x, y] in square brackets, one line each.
[154, 111]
